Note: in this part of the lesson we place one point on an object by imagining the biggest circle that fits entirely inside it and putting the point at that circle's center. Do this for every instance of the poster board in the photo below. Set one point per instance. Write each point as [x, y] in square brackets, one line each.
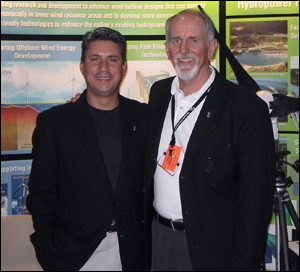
[30, 65]
[77, 17]
[14, 187]
[267, 49]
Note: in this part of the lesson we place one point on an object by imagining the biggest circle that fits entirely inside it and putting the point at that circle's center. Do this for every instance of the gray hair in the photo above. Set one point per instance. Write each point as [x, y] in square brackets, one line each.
[210, 29]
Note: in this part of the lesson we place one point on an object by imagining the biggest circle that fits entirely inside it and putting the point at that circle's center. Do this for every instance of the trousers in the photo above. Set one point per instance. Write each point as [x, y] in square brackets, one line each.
[106, 257]
[169, 249]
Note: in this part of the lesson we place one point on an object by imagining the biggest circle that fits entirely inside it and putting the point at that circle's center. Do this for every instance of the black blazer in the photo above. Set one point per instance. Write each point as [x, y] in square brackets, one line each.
[227, 177]
[71, 198]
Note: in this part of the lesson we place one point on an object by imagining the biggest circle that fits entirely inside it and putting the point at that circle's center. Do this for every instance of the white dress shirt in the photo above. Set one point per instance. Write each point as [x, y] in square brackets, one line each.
[166, 187]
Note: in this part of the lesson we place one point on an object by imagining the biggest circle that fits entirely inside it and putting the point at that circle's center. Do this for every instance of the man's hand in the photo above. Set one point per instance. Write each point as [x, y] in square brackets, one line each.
[74, 98]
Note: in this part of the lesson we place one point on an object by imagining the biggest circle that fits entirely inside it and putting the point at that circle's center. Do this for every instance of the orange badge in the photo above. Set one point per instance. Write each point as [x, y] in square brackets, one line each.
[171, 160]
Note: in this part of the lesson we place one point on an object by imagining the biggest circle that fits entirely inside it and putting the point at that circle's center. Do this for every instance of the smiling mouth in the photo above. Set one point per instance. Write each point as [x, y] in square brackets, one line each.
[185, 59]
[103, 78]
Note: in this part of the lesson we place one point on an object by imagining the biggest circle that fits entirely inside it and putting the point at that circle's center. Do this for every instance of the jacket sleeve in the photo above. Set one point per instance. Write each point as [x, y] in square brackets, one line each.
[42, 182]
[256, 189]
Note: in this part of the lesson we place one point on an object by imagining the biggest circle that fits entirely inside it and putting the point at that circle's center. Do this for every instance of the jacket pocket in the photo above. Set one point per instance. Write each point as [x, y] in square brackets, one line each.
[221, 159]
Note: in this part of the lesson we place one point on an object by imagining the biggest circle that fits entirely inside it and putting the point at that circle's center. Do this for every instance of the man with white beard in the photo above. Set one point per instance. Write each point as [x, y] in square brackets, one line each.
[210, 162]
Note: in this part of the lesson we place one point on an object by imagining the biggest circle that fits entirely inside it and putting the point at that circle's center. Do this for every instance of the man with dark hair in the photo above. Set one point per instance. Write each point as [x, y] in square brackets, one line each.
[86, 182]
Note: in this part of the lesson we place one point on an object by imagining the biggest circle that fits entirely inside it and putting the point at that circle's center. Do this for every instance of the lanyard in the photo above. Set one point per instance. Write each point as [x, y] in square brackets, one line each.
[173, 140]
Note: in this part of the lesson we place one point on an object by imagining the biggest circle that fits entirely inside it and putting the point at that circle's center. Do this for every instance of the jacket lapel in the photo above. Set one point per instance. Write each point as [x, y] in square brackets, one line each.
[159, 111]
[211, 111]
[158, 106]
[126, 123]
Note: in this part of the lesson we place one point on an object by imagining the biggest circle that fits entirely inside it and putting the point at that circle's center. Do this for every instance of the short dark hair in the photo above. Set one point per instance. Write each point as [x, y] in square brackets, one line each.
[100, 34]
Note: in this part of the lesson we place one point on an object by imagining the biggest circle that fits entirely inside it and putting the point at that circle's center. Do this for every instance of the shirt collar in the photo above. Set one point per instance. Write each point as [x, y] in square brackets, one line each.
[196, 95]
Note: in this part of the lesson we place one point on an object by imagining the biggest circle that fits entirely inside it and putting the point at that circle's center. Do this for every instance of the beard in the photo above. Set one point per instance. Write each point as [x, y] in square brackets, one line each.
[184, 71]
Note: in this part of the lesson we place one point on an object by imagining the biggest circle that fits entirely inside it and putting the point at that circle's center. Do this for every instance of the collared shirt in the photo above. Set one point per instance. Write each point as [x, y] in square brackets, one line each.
[166, 187]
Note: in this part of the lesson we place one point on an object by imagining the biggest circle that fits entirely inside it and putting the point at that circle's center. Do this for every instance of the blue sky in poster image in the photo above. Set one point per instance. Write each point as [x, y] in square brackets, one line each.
[45, 81]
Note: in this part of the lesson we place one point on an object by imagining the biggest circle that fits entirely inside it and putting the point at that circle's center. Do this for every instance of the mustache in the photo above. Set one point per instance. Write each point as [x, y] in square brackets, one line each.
[186, 56]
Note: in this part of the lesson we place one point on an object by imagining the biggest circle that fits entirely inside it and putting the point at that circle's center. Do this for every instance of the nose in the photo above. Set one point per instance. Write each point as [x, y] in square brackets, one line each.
[184, 47]
[103, 66]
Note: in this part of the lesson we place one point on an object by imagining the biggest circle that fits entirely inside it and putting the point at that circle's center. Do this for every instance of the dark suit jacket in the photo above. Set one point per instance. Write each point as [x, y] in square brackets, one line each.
[227, 177]
[71, 198]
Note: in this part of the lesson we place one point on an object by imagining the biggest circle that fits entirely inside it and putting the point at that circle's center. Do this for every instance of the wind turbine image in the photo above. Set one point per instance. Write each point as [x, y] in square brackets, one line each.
[73, 80]
[27, 89]
[22, 198]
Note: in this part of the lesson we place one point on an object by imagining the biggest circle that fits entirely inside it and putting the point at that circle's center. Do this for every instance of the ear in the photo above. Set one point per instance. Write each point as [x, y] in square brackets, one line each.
[167, 50]
[124, 67]
[212, 48]
[81, 67]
